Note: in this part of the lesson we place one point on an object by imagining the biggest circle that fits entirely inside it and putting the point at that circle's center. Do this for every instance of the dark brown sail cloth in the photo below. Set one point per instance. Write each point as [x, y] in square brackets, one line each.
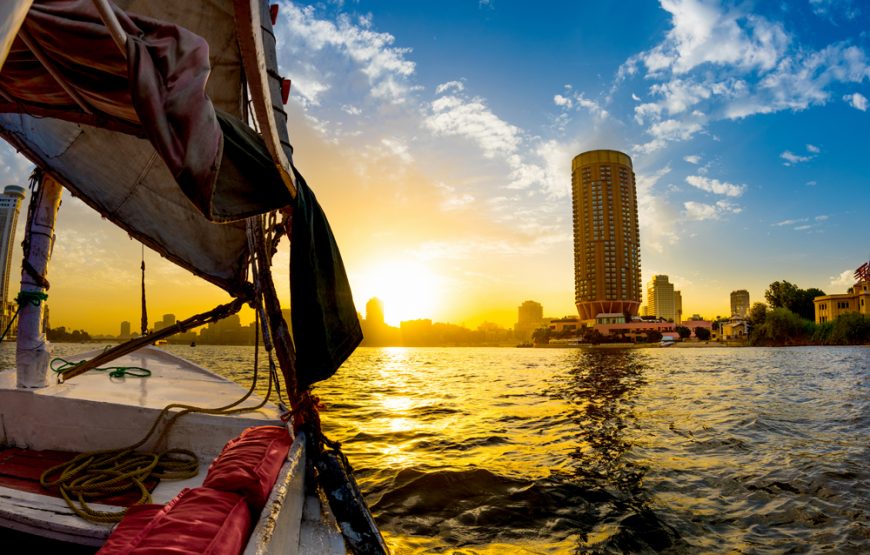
[326, 327]
[158, 90]
[200, 164]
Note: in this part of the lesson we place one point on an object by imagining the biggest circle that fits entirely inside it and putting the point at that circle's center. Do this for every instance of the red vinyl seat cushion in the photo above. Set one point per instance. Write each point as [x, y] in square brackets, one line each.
[198, 521]
[249, 464]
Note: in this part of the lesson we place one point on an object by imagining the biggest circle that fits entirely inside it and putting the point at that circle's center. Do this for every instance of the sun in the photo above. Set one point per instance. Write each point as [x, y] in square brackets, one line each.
[408, 289]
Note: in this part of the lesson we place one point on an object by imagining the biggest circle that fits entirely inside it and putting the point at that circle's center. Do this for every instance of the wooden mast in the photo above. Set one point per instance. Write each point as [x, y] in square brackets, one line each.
[32, 354]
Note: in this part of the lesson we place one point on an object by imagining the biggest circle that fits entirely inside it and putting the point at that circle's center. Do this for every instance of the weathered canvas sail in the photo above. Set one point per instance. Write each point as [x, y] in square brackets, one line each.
[71, 104]
[152, 137]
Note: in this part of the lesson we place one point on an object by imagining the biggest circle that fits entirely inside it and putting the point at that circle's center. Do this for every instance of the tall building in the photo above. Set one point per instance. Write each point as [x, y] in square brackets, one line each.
[678, 307]
[530, 316]
[740, 303]
[375, 312]
[606, 235]
[126, 330]
[660, 298]
[10, 202]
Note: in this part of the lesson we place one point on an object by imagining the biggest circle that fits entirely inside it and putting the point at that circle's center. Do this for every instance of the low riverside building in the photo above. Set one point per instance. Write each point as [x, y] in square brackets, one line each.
[857, 299]
[568, 323]
[734, 329]
[697, 322]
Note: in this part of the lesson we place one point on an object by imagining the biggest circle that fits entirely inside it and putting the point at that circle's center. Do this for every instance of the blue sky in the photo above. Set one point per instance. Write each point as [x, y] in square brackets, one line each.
[439, 136]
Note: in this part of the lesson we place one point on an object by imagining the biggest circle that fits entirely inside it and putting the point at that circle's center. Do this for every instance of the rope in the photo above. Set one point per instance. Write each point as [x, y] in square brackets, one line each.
[109, 472]
[24, 297]
[59, 366]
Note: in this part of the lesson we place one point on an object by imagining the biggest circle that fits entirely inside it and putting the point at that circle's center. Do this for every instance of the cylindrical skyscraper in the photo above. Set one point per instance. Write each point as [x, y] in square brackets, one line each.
[10, 201]
[606, 235]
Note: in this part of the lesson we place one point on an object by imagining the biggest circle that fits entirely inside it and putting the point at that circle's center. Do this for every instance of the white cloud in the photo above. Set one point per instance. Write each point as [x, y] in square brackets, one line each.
[657, 214]
[635, 97]
[703, 33]
[811, 183]
[724, 62]
[700, 211]
[452, 115]
[821, 218]
[715, 186]
[399, 149]
[857, 101]
[789, 222]
[843, 281]
[578, 100]
[792, 158]
[350, 110]
[335, 44]
[450, 86]
[692, 159]
[814, 149]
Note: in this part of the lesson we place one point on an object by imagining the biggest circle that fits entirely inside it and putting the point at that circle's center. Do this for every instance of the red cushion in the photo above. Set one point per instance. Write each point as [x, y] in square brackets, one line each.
[249, 464]
[198, 521]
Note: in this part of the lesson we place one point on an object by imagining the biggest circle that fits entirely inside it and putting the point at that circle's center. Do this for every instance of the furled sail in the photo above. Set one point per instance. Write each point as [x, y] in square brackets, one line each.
[155, 140]
[152, 136]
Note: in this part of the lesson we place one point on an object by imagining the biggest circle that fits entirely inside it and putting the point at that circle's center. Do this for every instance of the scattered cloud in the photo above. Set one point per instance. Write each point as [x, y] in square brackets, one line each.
[791, 158]
[844, 280]
[716, 211]
[450, 86]
[692, 159]
[811, 183]
[715, 186]
[325, 43]
[857, 101]
[577, 100]
[472, 119]
[724, 62]
[802, 224]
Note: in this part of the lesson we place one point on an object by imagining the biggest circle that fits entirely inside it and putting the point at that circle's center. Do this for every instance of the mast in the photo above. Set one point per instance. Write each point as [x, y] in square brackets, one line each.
[32, 353]
[144, 306]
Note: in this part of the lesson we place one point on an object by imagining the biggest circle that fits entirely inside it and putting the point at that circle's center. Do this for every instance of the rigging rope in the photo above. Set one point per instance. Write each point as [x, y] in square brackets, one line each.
[108, 472]
[24, 297]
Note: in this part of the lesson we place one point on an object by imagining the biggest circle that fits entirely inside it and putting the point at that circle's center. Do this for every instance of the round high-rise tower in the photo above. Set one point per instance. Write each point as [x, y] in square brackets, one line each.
[606, 235]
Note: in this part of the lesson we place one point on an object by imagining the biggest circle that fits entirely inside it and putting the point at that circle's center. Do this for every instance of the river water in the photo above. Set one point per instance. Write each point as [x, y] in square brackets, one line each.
[478, 450]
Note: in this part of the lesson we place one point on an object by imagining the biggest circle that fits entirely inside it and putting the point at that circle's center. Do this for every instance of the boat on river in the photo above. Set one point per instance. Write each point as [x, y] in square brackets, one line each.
[167, 119]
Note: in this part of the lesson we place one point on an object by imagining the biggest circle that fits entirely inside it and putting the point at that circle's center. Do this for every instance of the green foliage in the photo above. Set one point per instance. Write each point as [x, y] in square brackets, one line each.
[783, 327]
[541, 336]
[757, 314]
[851, 328]
[702, 333]
[61, 335]
[783, 294]
[684, 332]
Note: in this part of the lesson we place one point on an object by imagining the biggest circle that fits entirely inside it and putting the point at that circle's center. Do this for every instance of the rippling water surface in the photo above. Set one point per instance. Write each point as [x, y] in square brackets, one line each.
[564, 451]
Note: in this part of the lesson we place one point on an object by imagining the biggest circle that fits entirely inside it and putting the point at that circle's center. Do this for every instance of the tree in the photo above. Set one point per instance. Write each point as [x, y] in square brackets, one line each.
[804, 306]
[757, 314]
[702, 333]
[541, 336]
[684, 332]
[783, 327]
[788, 295]
[781, 294]
[653, 336]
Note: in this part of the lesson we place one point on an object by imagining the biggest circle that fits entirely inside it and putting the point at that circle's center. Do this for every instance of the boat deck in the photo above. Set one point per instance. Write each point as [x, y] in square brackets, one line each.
[94, 411]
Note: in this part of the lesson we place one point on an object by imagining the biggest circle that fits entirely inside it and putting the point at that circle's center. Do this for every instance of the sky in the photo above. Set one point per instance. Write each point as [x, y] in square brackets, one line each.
[438, 136]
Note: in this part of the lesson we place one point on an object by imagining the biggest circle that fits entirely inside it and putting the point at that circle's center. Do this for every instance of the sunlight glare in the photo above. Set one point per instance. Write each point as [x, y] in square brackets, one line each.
[408, 290]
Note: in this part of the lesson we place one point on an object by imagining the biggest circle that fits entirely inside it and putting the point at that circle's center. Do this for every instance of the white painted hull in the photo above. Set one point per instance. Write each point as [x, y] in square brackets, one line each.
[94, 412]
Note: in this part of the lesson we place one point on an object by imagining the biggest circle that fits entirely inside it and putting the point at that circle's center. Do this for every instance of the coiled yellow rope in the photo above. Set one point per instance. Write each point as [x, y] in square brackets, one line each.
[101, 474]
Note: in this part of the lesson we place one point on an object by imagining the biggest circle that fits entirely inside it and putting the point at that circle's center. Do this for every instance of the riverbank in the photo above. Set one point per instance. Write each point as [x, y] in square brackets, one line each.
[680, 345]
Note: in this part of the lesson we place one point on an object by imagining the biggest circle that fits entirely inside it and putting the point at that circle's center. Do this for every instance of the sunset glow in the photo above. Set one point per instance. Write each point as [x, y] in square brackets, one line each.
[408, 289]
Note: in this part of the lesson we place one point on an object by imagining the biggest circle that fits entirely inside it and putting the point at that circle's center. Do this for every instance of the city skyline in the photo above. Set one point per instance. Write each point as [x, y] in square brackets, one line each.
[439, 140]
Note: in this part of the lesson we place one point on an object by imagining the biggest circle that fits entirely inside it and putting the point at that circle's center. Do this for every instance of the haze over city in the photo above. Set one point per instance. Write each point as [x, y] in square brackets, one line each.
[439, 139]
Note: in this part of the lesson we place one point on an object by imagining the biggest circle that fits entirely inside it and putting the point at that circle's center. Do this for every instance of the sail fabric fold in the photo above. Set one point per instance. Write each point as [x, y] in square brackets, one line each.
[326, 328]
[157, 90]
